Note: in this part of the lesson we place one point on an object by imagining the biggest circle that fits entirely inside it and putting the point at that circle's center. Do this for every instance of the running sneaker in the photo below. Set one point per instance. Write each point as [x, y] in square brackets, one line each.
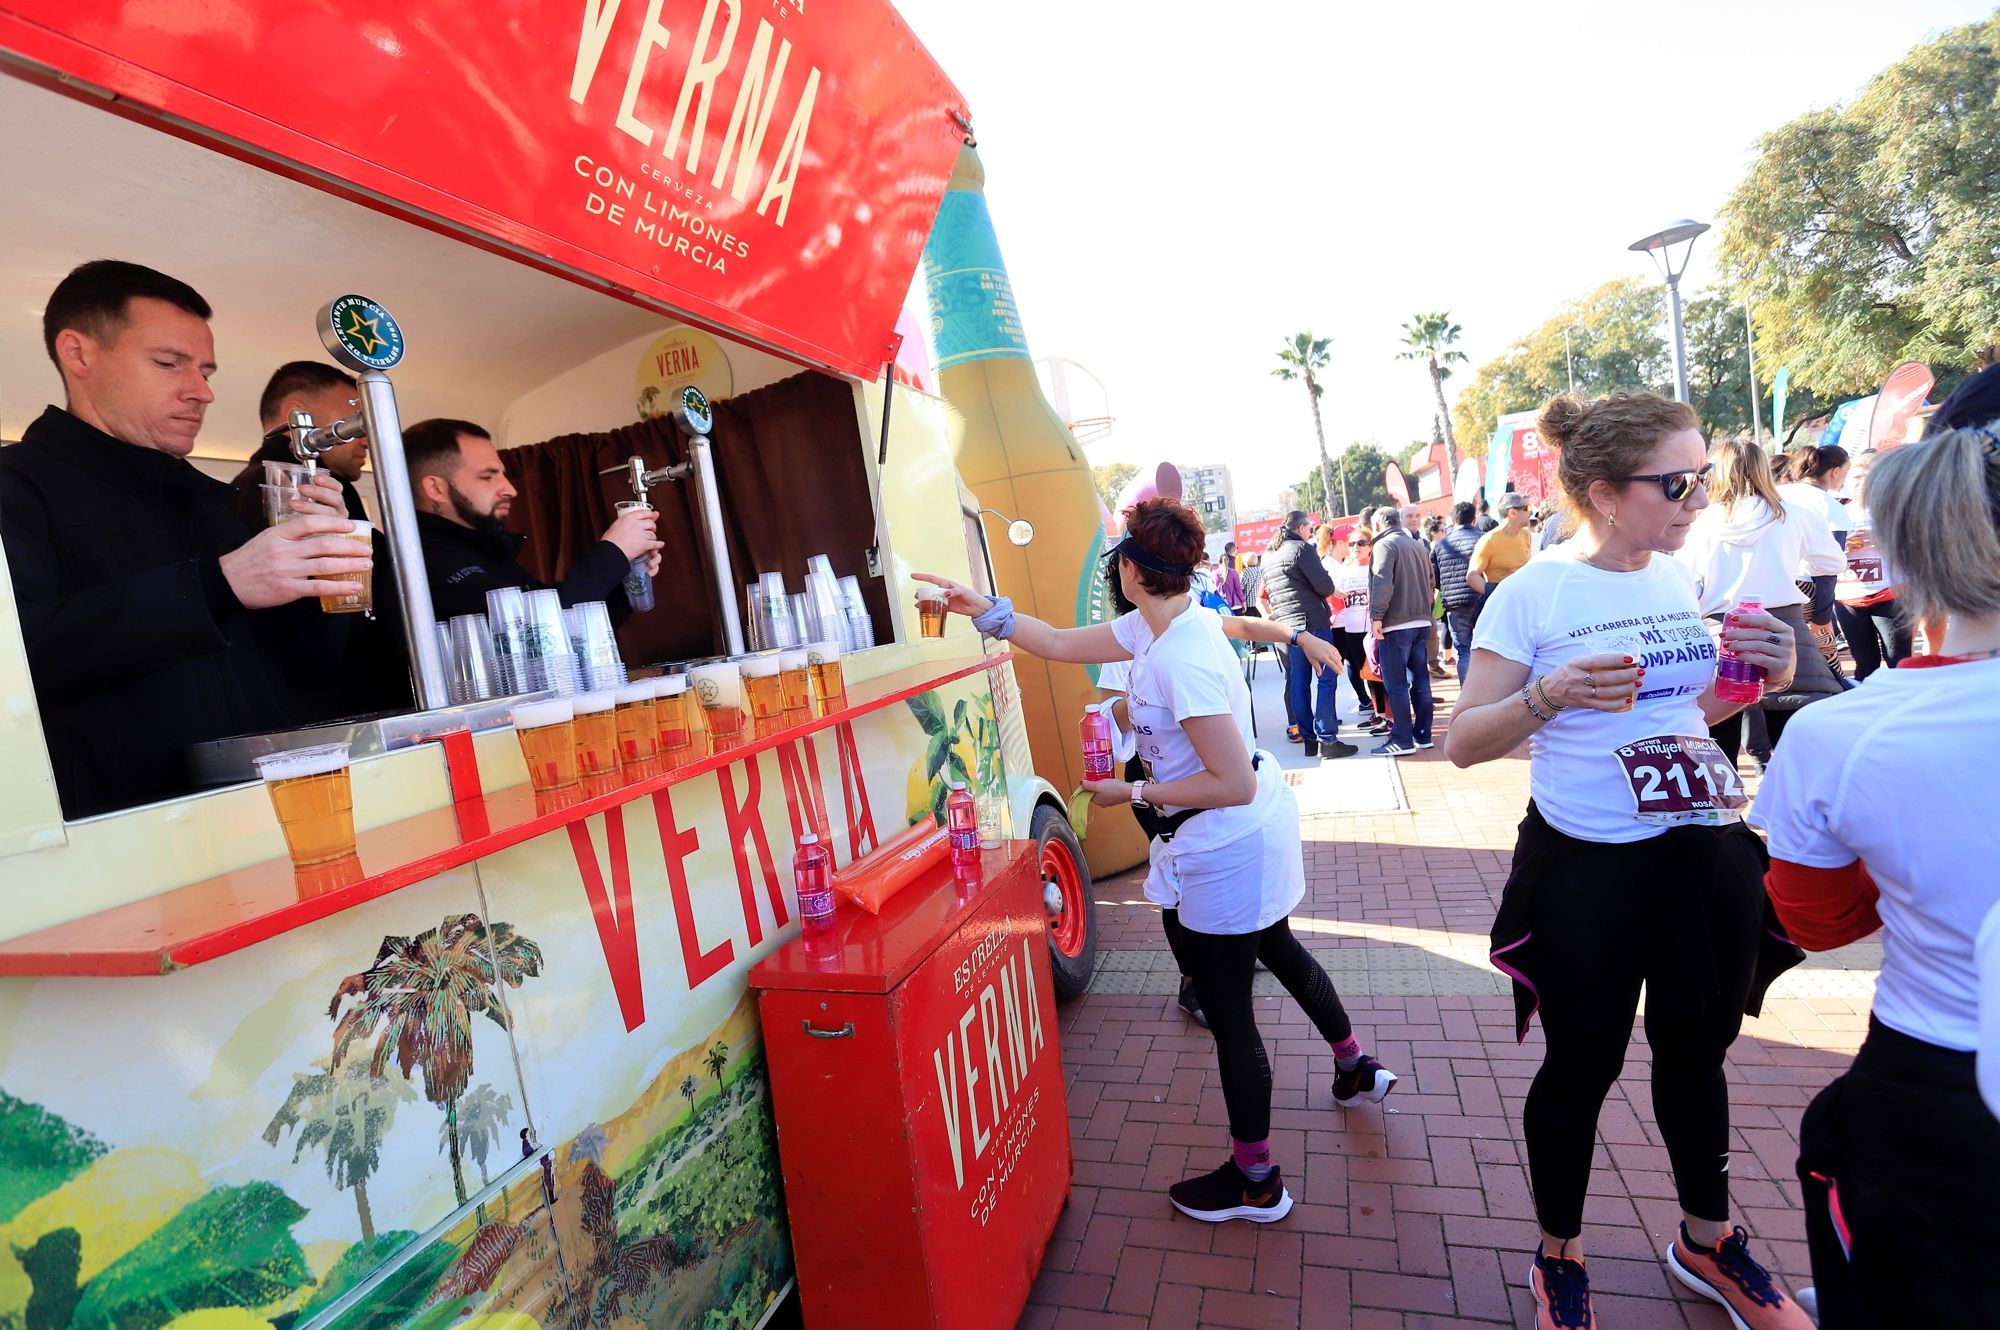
[1366, 1082]
[1728, 1274]
[1192, 1004]
[1226, 1194]
[1392, 749]
[1332, 750]
[1426, 743]
[1379, 726]
[1562, 1293]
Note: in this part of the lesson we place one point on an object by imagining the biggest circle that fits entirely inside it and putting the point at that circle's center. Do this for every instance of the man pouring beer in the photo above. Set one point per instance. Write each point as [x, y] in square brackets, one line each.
[150, 622]
[463, 499]
[328, 395]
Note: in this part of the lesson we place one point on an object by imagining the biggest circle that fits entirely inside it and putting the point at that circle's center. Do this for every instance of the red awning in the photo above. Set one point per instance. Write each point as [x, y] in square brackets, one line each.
[771, 167]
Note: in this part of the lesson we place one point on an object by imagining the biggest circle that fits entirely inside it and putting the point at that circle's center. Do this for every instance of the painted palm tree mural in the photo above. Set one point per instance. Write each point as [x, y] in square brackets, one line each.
[347, 1114]
[482, 1125]
[688, 1088]
[717, 1059]
[416, 1004]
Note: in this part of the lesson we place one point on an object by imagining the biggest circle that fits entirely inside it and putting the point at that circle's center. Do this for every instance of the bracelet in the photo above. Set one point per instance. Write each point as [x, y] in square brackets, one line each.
[1547, 701]
[1528, 701]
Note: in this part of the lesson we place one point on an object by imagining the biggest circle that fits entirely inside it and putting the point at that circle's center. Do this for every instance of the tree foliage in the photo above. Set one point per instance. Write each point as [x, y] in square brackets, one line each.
[1428, 338]
[1110, 479]
[1866, 234]
[1301, 359]
[39, 1152]
[233, 1247]
[1615, 341]
[1361, 466]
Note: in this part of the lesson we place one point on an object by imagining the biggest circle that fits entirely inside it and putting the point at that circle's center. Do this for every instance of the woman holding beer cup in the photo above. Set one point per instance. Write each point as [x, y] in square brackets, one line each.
[1227, 866]
[1632, 867]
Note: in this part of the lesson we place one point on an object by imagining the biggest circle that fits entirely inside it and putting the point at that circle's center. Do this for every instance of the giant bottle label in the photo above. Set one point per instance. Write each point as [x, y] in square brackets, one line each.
[973, 316]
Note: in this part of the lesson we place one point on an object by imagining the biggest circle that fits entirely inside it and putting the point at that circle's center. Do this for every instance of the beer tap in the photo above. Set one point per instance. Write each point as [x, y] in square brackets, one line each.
[309, 441]
[644, 480]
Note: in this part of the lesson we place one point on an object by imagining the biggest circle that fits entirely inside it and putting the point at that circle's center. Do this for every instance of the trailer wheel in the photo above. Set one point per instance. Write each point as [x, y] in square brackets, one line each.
[1072, 933]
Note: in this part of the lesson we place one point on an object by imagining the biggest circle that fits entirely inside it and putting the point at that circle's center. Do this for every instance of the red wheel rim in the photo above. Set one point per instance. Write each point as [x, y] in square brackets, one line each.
[1066, 930]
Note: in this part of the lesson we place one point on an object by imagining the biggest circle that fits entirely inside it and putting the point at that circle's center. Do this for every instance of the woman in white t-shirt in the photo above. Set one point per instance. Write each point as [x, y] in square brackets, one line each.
[1350, 624]
[1227, 866]
[1632, 867]
[1876, 819]
[1865, 595]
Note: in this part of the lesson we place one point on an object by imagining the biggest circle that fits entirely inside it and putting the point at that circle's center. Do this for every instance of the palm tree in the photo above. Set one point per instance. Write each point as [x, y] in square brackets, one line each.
[482, 1119]
[717, 1059]
[347, 1114]
[416, 1003]
[1303, 358]
[687, 1091]
[1429, 338]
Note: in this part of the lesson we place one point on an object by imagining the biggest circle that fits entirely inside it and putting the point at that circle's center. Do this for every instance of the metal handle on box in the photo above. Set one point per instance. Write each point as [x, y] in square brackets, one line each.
[844, 1032]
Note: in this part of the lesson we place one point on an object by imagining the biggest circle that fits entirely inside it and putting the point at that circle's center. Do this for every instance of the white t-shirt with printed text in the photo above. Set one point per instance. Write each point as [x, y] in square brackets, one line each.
[1558, 608]
[1890, 773]
[1351, 581]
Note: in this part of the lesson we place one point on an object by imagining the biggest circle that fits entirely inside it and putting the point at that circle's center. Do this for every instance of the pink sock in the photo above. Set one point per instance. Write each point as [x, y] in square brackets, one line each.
[1347, 1052]
[1253, 1157]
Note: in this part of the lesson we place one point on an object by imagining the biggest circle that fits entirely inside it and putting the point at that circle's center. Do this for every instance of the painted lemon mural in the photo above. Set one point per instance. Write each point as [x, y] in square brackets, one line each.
[961, 743]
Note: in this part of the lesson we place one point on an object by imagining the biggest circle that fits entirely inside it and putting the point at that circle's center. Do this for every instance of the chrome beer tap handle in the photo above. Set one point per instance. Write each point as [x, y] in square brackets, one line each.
[643, 480]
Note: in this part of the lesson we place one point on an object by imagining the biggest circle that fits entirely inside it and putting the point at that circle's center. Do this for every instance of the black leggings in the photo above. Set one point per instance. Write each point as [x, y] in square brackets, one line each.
[1898, 1158]
[1680, 913]
[1353, 648]
[1222, 966]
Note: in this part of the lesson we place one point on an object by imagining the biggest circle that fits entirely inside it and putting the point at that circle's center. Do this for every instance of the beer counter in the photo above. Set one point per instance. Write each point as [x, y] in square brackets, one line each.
[226, 913]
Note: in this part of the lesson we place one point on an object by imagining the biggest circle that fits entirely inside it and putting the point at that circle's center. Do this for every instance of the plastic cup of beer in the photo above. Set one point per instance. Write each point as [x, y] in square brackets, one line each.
[931, 601]
[796, 680]
[596, 728]
[314, 800]
[823, 665]
[638, 722]
[719, 689]
[362, 601]
[547, 732]
[673, 709]
[765, 692]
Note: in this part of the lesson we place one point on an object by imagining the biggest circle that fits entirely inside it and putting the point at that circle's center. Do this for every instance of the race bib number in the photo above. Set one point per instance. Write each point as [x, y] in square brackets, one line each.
[1677, 779]
[1865, 568]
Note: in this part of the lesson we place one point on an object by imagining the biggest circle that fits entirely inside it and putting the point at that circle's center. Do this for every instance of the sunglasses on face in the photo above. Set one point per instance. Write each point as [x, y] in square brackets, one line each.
[1676, 485]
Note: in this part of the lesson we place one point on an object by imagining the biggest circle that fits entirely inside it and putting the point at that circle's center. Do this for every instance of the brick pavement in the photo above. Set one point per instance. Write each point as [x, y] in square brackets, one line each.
[1415, 1213]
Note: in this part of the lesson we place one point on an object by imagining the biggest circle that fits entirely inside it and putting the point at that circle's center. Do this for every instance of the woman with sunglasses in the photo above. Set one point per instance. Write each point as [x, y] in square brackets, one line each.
[1226, 866]
[1898, 1156]
[1632, 868]
[1350, 625]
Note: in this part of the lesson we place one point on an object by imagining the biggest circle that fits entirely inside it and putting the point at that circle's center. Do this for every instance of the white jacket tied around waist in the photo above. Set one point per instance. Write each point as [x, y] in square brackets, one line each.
[1234, 870]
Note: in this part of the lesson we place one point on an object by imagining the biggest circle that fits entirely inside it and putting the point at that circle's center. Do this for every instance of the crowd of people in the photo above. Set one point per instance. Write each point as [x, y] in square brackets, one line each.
[1640, 883]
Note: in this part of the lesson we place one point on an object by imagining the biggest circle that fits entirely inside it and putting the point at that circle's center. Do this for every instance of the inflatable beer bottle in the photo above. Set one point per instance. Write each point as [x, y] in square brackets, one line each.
[1016, 454]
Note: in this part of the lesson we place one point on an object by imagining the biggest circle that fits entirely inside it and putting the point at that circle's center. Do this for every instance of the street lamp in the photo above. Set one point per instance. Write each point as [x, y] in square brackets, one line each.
[1661, 246]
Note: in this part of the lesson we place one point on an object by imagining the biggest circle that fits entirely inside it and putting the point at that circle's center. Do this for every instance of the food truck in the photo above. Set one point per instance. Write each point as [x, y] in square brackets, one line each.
[502, 1064]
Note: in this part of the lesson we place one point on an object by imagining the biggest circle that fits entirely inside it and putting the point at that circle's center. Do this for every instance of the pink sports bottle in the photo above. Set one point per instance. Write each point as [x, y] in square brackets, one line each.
[1097, 764]
[1737, 680]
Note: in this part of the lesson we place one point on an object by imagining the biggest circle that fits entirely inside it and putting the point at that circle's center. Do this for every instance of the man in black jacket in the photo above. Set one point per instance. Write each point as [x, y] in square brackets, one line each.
[151, 622]
[1297, 585]
[463, 499]
[328, 395]
[1458, 582]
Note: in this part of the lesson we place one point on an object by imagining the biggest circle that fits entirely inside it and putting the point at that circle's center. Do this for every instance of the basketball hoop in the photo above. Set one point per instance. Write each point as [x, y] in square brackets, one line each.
[1091, 428]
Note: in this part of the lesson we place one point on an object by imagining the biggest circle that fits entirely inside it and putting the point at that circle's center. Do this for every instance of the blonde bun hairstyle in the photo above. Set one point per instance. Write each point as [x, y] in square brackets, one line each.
[1604, 439]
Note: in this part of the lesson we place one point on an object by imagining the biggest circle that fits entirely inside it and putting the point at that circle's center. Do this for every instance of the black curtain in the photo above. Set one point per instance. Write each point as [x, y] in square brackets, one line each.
[792, 482]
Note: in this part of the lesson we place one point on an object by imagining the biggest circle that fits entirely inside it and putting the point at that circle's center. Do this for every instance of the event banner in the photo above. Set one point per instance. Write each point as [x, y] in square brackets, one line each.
[763, 165]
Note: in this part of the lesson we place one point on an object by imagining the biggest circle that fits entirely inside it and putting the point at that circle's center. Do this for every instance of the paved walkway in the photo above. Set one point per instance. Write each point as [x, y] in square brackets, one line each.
[1415, 1213]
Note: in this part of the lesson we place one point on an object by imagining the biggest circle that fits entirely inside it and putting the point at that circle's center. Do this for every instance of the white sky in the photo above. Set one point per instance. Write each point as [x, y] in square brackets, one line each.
[1175, 195]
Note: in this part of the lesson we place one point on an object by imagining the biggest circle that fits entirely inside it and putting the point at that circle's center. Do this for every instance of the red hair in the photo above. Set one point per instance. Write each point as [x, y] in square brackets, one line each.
[1168, 530]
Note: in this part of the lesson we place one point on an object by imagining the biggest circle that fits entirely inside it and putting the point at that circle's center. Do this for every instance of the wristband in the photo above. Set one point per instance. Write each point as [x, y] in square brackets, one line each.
[1138, 794]
[1543, 693]
[998, 620]
[1295, 637]
[1528, 701]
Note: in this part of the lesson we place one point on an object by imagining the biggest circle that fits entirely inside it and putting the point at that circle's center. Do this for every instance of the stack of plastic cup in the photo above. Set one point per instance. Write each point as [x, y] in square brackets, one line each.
[860, 627]
[595, 645]
[805, 619]
[774, 609]
[444, 648]
[550, 654]
[507, 616]
[473, 672]
[824, 590]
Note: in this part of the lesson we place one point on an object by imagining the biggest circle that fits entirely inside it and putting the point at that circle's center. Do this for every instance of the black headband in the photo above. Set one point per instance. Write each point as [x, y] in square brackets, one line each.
[1151, 562]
